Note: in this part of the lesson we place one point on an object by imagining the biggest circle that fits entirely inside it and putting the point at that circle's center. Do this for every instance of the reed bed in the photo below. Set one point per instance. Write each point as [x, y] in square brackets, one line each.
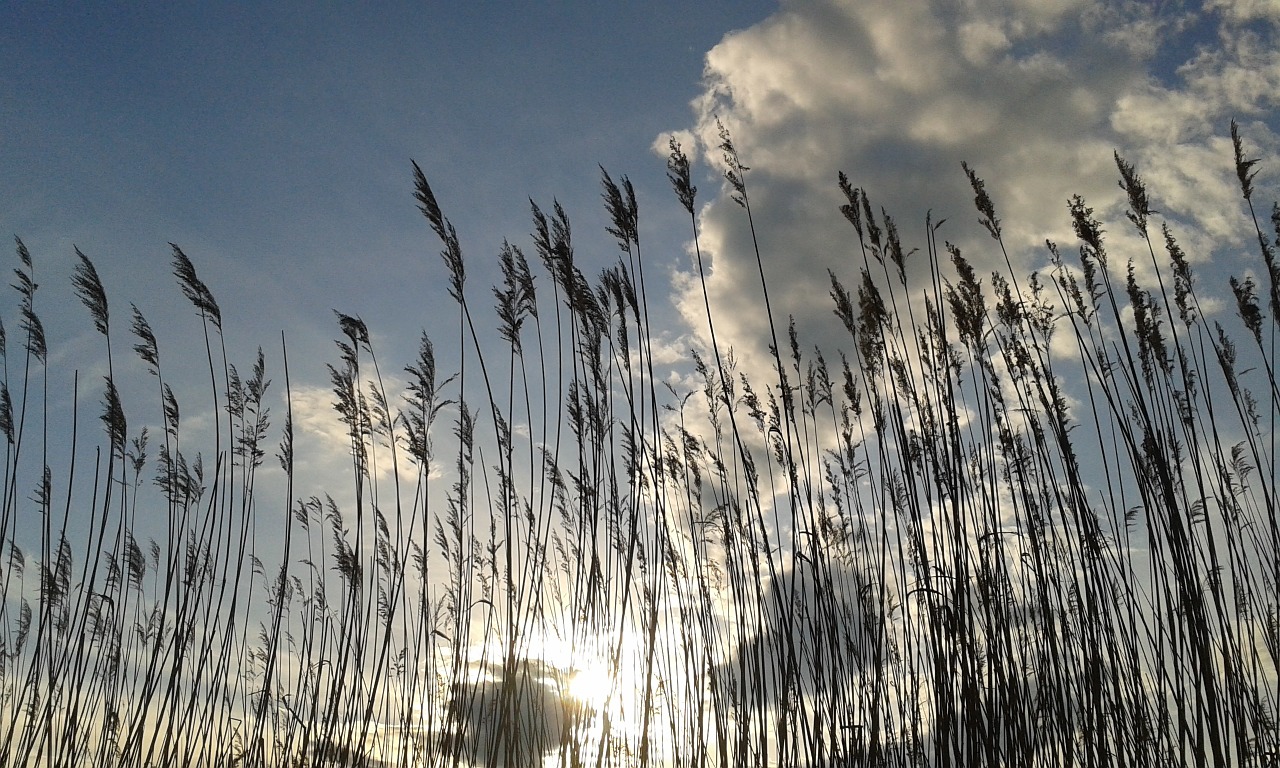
[1014, 519]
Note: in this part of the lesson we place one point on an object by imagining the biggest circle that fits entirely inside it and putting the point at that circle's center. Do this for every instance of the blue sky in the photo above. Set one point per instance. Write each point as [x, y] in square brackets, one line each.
[273, 145]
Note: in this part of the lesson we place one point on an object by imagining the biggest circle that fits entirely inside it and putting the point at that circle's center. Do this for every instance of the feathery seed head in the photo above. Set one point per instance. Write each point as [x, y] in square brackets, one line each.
[193, 288]
[89, 288]
[1136, 190]
[147, 348]
[1244, 168]
[982, 200]
[679, 175]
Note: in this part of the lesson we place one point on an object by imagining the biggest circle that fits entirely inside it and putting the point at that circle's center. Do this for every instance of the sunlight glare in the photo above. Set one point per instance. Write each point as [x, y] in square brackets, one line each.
[591, 685]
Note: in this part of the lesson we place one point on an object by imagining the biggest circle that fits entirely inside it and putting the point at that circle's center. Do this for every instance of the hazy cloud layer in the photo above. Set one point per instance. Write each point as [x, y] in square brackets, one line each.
[1034, 94]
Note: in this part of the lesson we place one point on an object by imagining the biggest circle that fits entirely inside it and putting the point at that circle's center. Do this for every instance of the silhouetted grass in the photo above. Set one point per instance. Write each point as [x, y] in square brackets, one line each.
[1015, 519]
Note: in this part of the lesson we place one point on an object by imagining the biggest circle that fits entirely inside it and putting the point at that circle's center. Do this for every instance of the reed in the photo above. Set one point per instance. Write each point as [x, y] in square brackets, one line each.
[1013, 519]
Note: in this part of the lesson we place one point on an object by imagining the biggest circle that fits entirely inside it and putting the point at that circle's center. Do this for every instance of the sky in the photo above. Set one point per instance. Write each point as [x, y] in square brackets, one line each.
[1035, 95]
[273, 144]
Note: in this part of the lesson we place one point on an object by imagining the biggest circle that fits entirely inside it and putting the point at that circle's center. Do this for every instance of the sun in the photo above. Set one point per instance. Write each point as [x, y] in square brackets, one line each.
[591, 685]
[585, 677]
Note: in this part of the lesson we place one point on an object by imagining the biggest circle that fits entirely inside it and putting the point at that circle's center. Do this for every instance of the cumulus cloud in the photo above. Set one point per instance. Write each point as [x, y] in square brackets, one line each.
[1035, 95]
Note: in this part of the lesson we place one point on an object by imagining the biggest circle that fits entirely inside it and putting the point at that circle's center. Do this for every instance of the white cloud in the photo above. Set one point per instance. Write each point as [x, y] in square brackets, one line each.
[1248, 10]
[1036, 96]
[982, 41]
[324, 441]
[685, 139]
